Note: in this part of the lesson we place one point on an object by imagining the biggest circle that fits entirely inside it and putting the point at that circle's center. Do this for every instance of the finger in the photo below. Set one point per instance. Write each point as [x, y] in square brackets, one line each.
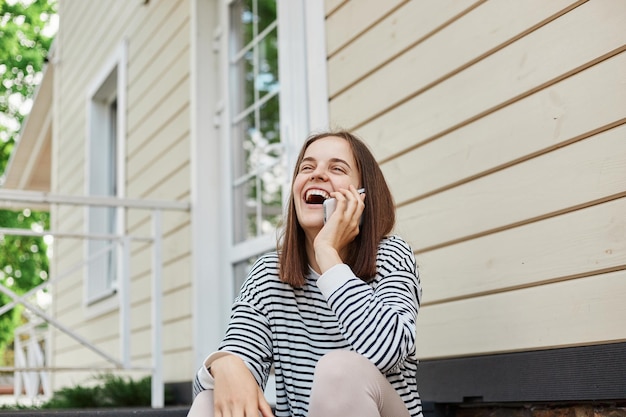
[250, 411]
[354, 191]
[357, 197]
[264, 407]
[341, 202]
[355, 201]
[266, 411]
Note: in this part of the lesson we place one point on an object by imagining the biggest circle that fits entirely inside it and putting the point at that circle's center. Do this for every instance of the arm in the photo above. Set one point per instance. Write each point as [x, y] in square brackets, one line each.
[379, 323]
[238, 371]
[235, 391]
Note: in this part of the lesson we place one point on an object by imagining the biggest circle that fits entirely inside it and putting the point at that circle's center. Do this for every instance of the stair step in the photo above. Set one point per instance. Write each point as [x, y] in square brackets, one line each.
[101, 412]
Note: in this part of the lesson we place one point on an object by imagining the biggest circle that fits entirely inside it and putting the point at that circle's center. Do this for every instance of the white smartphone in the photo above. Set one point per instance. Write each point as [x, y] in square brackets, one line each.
[330, 204]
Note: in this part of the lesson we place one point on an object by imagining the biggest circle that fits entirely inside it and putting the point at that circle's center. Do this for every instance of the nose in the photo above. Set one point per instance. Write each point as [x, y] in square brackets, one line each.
[319, 173]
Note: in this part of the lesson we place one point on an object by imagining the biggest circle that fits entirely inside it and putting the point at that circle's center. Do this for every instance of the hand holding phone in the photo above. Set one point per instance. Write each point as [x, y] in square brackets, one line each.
[330, 204]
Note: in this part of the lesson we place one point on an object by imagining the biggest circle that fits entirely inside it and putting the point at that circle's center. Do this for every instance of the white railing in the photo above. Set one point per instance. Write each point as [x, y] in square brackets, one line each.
[29, 354]
[31, 370]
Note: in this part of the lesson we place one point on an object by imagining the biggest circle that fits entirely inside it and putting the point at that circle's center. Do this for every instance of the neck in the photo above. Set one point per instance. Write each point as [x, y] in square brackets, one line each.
[310, 253]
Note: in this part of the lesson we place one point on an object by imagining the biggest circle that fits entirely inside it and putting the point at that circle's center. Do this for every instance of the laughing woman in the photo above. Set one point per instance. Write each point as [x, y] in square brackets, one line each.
[333, 310]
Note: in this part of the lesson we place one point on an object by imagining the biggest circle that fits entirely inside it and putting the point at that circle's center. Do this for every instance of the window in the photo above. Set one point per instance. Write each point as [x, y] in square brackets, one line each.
[258, 165]
[262, 110]
[275, 52]
[257, 177]
[104, 173]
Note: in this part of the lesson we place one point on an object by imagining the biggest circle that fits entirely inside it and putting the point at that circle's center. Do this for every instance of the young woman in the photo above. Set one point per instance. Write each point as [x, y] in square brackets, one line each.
[333, 310]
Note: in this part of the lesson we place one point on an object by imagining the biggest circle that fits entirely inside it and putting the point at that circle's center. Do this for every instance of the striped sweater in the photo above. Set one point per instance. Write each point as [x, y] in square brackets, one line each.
[273, 323]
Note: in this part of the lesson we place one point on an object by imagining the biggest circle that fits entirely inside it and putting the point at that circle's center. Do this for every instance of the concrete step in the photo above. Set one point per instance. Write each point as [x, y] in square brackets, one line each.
[101, 412]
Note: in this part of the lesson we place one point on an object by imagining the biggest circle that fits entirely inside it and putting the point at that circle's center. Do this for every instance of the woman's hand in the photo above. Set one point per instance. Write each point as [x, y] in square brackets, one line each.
[236, 393]
[340, 229]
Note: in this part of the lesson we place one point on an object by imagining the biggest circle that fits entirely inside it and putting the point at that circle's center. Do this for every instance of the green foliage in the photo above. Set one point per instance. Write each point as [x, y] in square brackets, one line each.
[73, 397]
[24, 45]
[24, 263]
[110, 391]
[15, 407]
[23, 259]
[107, 391]
[23, 49]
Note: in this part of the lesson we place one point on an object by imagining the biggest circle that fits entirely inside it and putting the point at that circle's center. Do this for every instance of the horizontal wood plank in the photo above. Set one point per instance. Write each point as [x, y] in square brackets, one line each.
[176, 273]
[156, 32]
[75, 354]
[579, 312]
[175, 305]
[531, 62]
[576, 174]
[574, 244]
[98, 45]
[590, 99]
[172, 364]
[161, 167]
[168, 70]
[68, 296]
[491, 25]
[161, 187]
[176, 245]
[163, 113]
[96, 330]
[397, 32]
[176, 337]
[140, 222]
[354, 17]
[177, 130]
[169, 74]
[331, 5]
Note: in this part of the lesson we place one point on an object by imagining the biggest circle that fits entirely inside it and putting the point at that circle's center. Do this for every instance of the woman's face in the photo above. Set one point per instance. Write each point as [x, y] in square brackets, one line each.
[328, 165]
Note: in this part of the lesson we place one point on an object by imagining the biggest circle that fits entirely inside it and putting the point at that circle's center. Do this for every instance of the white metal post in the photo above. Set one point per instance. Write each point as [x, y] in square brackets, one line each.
[20, 362]
[32, 360]
[157, 294]
[124, 288]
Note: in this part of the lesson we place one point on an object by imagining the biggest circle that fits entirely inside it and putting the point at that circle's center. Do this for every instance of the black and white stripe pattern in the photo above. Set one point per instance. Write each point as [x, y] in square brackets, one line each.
[273, 323]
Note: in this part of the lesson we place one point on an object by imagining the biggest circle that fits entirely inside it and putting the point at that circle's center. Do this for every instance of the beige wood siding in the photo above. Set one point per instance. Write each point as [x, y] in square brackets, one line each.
[157, 167]
[501, 128]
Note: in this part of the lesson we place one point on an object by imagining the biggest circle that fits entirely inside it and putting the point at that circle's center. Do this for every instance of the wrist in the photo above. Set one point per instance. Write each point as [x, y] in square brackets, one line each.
[223, 363]
[327, 257]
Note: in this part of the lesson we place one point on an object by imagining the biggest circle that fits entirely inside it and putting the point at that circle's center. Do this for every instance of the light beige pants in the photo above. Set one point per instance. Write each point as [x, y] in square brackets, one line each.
[345, 385]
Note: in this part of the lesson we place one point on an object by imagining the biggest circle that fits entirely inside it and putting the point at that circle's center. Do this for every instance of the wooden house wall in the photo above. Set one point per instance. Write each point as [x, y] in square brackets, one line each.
[500, 126]
[157, 167]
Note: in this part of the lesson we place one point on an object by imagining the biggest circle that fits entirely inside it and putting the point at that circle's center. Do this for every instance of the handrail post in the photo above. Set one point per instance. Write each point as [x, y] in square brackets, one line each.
[157, 294]
[20, 362]
[124, 288]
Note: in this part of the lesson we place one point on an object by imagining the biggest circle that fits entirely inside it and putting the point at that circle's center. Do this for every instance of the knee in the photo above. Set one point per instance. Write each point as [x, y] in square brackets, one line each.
[202, 405]
[340, 365]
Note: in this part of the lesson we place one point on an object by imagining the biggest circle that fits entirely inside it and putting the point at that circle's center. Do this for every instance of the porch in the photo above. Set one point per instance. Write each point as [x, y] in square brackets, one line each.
[32, 362]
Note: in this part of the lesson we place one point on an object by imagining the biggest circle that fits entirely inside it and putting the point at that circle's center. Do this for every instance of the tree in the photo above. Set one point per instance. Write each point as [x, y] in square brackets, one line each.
[24, 45]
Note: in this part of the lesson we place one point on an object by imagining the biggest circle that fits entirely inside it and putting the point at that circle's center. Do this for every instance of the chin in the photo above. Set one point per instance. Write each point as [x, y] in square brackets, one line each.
[312, 222]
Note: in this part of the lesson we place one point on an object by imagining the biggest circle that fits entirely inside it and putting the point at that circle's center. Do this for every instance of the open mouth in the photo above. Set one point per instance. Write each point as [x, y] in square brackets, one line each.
[316, 196]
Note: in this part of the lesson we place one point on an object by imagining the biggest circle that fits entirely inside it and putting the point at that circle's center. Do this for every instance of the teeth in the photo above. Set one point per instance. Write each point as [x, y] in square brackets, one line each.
[316, 196]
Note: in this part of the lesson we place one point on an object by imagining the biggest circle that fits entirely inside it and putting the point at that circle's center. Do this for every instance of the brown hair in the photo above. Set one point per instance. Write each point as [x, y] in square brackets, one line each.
[378, 219]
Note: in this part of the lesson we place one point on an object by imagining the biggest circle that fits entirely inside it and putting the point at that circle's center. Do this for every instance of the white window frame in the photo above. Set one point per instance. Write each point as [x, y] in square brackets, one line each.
[303, 106]
[212, 237]
[109, 85]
